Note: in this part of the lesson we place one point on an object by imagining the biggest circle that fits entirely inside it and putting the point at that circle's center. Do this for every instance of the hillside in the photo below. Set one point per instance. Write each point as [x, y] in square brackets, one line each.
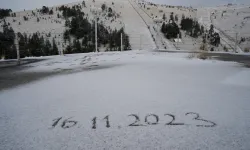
[53, 25]
[235, 22]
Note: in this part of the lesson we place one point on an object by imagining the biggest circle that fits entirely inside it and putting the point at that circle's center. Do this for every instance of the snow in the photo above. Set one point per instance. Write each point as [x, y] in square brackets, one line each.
[239, 79]
[122, 83]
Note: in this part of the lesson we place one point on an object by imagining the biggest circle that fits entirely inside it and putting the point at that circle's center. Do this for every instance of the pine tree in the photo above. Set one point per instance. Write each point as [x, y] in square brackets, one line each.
[164, 17]
[67, 23]
[54, 48]
[172, 16]
[51, 12]
[77, 46]
[66, 35]
[103, 7]
[163, 28]
[83, 4]
[211, 30]
[47, 48]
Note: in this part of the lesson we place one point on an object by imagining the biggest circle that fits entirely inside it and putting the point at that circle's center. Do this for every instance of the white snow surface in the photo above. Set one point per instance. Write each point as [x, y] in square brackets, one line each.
[122, 83]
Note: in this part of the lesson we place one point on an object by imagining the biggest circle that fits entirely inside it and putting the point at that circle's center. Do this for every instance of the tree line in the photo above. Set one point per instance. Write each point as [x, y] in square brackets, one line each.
[83, 33]
[170, 29]
[33, 45]
[36, 45]
[191, 27]
[7, 46]
[5, 13]
[78, 28]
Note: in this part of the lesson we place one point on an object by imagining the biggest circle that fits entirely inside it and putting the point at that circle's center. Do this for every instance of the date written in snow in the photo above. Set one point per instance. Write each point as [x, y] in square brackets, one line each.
[69, 123]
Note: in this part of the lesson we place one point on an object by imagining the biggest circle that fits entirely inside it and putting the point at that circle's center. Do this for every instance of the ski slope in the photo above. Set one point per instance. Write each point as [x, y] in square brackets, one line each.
[94, 102]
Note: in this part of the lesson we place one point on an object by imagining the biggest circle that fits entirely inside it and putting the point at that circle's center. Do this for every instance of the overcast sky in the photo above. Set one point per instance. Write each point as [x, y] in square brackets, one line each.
[17, 5]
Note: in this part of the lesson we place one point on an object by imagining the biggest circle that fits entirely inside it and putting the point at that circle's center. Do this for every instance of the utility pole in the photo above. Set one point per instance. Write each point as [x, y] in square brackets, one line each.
[96, 34]
[235, 47]
[121, 43]
[17, 49]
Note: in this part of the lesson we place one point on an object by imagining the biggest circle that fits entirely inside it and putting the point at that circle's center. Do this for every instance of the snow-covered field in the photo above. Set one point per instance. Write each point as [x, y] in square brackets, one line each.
[180, 104]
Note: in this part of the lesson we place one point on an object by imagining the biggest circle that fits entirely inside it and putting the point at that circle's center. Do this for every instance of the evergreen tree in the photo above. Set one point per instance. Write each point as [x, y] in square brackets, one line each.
[211, 30]
[66, 35]
[54, 48]
[163, 28]
[83, 4]
[172, 16]
[51, 12]
[45, 10]
[47, 48]
[69, 49]
[164, 17]
[67, 23]
[103, 7]
[76, 46]
[23, 45]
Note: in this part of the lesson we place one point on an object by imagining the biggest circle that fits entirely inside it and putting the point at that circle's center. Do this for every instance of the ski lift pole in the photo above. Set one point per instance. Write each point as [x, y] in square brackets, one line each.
[96, 33]
[17, 49]
[121, 43]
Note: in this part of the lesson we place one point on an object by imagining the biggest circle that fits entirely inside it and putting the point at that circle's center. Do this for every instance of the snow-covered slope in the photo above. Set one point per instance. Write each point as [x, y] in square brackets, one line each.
[152, 12]
[232, 22]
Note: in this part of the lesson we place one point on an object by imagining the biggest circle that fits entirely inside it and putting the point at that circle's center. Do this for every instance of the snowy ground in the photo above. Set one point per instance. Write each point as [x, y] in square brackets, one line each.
[119, 84]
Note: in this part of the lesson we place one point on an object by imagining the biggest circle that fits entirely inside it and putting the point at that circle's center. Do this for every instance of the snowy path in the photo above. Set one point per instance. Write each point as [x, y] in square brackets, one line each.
[160, 40]
[140, 37]
[59, 112]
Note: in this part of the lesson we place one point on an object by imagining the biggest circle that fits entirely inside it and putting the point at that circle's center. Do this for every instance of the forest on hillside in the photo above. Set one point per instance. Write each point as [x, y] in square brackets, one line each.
[78, 37]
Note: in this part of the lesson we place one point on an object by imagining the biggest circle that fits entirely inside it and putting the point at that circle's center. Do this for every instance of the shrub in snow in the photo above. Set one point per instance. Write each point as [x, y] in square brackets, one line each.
[83, 4]
[110, 15]
[25, 18]
[202, 56]
[44, 10]
[225, 49]
[110, 10]
[103, 7]
[247, 50]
